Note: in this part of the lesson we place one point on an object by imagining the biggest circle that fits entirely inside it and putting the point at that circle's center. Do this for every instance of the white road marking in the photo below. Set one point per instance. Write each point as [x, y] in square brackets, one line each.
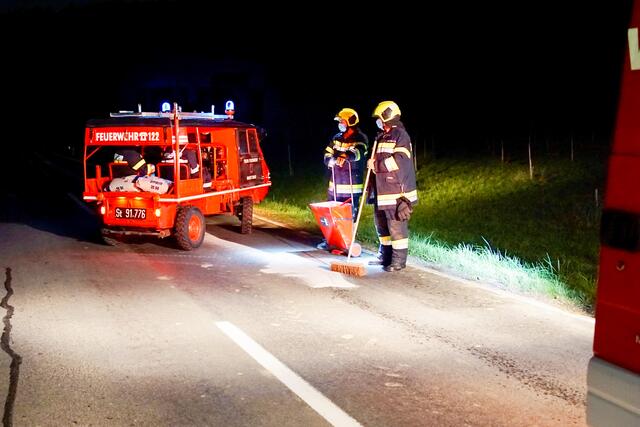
[316, 400]
[487, 287]
[506, 294]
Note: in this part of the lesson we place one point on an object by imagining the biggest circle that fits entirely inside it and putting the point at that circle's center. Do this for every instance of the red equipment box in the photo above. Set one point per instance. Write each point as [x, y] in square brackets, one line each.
[335, 220]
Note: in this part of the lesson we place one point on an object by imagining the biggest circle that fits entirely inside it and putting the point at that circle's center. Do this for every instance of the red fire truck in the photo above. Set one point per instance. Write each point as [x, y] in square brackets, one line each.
[189, 165]
[613, 397]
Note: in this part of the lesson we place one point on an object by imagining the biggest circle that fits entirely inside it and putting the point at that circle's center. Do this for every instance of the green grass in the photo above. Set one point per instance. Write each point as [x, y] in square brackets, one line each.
[487, 220]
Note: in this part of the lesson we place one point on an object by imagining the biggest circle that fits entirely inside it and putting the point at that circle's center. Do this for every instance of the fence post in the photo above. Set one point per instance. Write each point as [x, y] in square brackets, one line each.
[530, 160]
[572, 146]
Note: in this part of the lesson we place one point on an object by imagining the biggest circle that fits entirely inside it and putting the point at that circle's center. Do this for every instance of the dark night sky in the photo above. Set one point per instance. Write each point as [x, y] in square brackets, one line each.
[459, 72]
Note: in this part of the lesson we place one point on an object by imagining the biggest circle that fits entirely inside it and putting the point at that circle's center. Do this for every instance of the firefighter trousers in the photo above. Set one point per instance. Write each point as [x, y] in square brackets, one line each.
[393, 236]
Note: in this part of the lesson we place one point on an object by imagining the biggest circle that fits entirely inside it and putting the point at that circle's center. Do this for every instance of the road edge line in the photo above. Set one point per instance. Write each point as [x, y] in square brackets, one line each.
[462, 280]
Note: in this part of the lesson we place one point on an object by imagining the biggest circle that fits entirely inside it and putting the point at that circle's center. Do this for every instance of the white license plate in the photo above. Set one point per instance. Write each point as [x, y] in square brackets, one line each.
[131, 213]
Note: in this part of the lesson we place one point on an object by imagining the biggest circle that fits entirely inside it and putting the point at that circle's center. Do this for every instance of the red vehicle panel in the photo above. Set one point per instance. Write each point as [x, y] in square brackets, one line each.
[617, 329]
[613, 374]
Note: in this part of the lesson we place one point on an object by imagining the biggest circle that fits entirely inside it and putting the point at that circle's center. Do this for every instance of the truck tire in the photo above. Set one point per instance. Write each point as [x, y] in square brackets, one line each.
[189, 228]
[246, 215]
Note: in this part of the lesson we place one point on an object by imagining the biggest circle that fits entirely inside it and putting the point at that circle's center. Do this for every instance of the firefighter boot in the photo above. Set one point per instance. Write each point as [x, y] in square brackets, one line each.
[398, 260]
[383, 257]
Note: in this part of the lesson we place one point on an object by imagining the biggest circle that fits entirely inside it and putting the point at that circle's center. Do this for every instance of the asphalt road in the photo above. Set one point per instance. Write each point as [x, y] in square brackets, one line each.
[256, 330]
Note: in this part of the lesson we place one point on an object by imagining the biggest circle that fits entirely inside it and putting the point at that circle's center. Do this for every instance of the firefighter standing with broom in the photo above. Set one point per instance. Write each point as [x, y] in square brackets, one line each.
[392, 189]
[345, 157]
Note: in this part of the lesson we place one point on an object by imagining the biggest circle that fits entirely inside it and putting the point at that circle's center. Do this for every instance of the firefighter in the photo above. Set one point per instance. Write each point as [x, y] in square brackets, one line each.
[393, 187]
[188, 156]
[136, 163]
[345, 158]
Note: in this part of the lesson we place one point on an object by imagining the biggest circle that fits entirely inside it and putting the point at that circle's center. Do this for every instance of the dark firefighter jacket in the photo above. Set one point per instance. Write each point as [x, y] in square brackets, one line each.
[352, 147]
[133, 159]
[395, 175]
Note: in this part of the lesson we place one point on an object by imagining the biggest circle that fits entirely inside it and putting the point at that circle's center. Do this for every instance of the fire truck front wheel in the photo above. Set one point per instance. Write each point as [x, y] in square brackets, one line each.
[189, 228]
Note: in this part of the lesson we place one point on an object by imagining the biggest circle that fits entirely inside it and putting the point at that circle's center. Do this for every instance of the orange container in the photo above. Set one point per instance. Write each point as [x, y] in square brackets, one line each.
[335, 220]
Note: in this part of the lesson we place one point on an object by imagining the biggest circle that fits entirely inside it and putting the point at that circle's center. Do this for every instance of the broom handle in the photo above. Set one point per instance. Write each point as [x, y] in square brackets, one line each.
[350, 184]
[363, 197]
[333, 182]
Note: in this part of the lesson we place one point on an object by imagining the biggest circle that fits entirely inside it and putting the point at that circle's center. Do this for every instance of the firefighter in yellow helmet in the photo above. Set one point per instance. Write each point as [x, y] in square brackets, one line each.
[393, 187]
[345, 158]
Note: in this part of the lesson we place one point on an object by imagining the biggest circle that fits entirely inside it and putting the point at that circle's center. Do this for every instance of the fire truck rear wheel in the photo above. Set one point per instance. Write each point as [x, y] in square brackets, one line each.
[189, 228]
[246, 215]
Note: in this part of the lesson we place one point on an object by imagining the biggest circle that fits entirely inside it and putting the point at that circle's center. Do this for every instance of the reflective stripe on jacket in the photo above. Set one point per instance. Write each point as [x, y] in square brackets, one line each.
[395, 175]
[353, 149]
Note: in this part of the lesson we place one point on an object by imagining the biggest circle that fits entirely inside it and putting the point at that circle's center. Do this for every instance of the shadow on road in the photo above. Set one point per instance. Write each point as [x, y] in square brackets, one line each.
[42, 200]
[53, 213]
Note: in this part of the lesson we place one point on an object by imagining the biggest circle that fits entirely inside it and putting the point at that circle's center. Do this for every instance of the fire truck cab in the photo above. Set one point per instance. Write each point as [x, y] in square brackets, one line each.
[613, 377]
[187, 166]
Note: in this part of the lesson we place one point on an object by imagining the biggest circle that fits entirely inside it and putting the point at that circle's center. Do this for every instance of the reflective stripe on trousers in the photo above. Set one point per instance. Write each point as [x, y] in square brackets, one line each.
[393, 232]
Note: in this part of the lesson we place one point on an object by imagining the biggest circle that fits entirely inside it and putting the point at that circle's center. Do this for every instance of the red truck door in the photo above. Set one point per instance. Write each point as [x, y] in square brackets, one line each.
[251, 172]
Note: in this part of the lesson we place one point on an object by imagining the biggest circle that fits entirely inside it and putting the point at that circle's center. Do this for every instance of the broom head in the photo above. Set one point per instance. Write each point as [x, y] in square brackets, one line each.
[352, 269]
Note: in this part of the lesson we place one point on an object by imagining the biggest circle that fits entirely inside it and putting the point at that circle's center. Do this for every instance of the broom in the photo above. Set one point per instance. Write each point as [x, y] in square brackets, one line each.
[356, 269]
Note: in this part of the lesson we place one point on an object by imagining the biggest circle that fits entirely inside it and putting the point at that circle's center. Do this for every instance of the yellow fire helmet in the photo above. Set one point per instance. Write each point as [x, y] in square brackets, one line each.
[386, 111]
[349, 115]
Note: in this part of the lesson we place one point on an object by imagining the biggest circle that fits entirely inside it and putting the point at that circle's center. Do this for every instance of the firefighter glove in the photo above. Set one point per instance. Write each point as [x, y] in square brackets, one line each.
[403, 209]
[332, 161]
